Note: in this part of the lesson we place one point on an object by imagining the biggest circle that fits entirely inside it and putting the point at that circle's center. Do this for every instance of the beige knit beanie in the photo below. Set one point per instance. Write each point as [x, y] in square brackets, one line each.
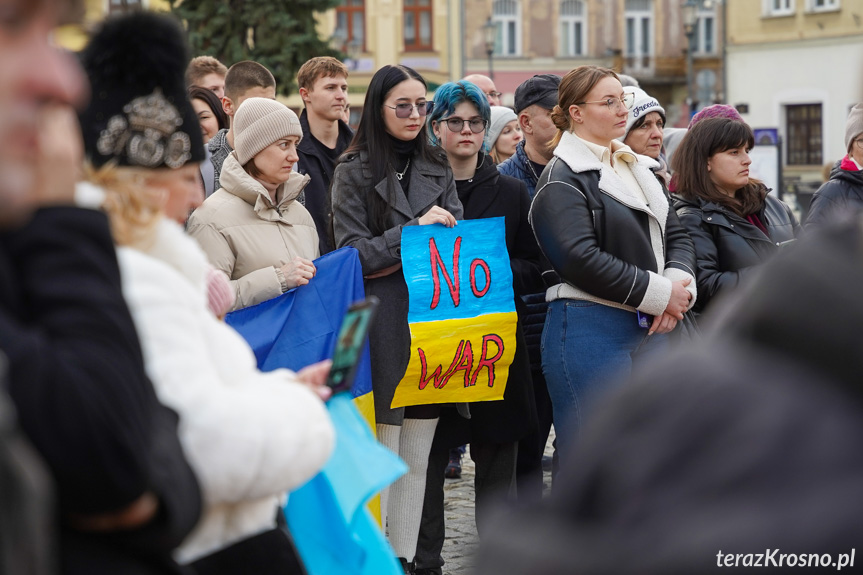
[853, 126]
[260, 122]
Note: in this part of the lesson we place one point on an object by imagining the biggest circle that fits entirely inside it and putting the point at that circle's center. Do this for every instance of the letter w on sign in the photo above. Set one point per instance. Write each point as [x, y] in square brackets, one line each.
[461, 313]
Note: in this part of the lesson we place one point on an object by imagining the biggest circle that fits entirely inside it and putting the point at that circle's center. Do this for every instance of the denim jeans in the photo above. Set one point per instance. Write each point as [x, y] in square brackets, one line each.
[587, 350]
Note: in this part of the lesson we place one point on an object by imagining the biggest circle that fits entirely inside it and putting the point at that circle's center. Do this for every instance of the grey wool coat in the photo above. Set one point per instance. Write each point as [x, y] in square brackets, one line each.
[389, 341]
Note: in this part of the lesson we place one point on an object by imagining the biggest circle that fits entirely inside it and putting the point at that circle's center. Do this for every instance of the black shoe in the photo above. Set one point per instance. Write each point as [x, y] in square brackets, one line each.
[429, 571]
[453, 468]
[409, 567]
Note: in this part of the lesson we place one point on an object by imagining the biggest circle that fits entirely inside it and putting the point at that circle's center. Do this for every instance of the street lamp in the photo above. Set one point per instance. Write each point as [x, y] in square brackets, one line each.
[689, 21]
[489, 31]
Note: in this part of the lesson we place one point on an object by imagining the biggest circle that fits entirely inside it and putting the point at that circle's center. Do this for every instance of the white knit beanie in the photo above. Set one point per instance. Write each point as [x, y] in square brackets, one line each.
[853, 126]
[500, 117]
[644, 104]
[260, 122]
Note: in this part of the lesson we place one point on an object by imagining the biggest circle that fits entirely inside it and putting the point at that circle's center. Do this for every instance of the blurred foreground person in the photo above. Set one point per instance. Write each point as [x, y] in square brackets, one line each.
[126, 497]
[842, 194]
[760, 454]
[250, 436]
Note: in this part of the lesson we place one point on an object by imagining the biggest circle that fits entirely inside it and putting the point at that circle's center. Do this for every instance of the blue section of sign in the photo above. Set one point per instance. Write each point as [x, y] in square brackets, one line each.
[480, 279]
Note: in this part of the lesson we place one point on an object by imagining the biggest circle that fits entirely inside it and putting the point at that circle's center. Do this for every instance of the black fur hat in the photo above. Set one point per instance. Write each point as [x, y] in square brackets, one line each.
[139, 112]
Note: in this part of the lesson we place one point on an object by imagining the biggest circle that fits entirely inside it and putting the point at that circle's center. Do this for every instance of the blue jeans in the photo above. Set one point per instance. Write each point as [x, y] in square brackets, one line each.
[587, 350]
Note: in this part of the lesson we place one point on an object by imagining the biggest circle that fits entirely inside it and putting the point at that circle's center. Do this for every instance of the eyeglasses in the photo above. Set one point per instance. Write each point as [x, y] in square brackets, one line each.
[627, 100]
[494, 94]
[405, 110]
[859, 142]
[477, 125]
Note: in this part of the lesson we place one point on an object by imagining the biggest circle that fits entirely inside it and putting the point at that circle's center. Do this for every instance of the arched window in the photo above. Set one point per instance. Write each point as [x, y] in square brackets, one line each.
[573, 26]
[507, 21]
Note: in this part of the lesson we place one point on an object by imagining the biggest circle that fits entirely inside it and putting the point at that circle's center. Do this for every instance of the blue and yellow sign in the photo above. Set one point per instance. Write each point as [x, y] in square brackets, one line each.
[461, 313]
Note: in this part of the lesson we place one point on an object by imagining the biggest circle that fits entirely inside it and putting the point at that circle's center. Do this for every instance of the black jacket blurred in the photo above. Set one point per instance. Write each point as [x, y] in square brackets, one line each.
[77, 381]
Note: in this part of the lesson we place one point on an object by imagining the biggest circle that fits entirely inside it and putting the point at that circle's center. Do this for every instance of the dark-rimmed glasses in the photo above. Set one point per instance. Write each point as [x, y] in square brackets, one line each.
[404, 110]
[627, 100]
[477, 125]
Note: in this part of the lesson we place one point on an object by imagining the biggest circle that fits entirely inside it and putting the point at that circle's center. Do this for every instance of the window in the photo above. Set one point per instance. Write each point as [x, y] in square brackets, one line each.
[705, 32]
[573, 26]
[804, 134]
[822, 5]
[778, 7]
[639, 27]
[418, 24]
[351, 23]
[121, 6]
[508, 32]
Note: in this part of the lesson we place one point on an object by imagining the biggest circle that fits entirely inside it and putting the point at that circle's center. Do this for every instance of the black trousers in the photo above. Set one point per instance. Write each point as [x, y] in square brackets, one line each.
[532, 447]
[495, 478]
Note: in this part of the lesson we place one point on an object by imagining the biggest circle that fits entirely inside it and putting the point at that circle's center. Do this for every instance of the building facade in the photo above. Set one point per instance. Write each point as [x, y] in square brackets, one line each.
[796, 66]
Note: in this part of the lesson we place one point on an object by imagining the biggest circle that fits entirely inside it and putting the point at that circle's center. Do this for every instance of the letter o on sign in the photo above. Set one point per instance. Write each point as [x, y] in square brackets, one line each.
[473, 265]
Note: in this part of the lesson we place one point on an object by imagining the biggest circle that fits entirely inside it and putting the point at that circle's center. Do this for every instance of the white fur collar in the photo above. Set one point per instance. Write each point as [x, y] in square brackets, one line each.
[576, 154]
[171, 245]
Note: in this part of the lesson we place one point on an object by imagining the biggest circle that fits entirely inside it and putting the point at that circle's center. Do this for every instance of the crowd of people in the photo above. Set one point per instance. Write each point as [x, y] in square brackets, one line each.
[144, 195]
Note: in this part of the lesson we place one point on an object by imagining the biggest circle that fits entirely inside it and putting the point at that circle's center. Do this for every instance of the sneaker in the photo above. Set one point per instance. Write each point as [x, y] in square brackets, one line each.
[453, 468]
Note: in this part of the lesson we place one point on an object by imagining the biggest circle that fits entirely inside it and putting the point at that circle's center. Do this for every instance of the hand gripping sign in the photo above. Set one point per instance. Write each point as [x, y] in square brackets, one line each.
[461, 313]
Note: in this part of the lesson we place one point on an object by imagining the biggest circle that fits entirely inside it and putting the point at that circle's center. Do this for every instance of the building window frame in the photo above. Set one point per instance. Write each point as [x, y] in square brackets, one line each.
[573, 28]
[420, 12]
[506, 15]
[638, 20]
[778, 8]
[804, 126]
[705, 28]
[351, 24]
[823, 5]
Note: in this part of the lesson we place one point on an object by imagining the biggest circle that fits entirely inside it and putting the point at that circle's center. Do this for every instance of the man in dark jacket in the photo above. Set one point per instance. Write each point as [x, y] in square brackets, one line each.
[734, 452]
[323, 83]
[125, 493]
[534, 100]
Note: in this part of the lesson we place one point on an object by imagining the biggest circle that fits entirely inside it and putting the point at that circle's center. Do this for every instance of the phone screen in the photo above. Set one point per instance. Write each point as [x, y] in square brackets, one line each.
[350, 344]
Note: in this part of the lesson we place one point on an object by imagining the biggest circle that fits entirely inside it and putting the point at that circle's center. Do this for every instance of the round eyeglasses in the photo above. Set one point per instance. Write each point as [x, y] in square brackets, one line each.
[627, 100]
[404, 110]
[477, 125]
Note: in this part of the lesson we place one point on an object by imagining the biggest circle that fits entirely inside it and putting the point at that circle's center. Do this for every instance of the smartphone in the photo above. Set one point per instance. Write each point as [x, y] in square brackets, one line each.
[644, 320]
[350, 344]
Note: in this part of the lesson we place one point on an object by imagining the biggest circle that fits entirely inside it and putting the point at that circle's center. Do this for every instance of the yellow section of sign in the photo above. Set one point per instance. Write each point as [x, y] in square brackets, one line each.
[458, 360]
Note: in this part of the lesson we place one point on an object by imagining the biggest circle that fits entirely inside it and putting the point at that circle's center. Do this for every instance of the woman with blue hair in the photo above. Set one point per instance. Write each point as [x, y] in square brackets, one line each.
[458, 126]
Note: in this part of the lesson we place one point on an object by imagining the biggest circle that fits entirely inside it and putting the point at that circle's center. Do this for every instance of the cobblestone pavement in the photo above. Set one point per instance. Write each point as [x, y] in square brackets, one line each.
[461, 538]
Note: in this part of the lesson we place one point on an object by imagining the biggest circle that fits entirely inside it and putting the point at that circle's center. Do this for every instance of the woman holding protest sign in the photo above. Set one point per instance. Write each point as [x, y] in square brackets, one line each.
[458, 124]
[606, 226]
[390, 177]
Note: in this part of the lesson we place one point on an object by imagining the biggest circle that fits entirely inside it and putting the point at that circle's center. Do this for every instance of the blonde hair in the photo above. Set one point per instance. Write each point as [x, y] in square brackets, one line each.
[574, 88]
[133, 204]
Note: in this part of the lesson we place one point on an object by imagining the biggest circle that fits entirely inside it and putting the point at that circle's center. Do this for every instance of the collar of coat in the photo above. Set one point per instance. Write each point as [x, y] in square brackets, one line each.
[424, 187]
[579, 158]
[237, 182]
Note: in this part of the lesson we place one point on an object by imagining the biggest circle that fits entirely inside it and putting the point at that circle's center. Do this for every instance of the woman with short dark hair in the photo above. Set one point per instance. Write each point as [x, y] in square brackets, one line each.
[734, 223]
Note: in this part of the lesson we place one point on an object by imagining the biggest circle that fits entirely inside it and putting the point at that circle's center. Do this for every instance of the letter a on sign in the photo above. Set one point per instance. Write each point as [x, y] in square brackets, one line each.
[461, 313]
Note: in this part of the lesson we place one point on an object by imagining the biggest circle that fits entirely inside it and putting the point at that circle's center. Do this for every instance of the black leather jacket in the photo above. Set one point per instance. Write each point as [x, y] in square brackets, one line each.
[598, 243]
[728, 246]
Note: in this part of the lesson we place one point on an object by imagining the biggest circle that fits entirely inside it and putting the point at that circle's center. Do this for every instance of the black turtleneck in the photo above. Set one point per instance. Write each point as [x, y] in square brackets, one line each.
[402, 152]
[486, 174]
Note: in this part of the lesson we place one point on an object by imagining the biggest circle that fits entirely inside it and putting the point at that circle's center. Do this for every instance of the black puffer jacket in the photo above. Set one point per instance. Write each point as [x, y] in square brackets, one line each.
[840, 196]
[602, 240]
[727, 246]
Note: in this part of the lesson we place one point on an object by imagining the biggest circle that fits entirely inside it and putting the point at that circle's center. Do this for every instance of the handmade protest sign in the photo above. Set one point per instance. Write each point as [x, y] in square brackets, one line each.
[461, 313]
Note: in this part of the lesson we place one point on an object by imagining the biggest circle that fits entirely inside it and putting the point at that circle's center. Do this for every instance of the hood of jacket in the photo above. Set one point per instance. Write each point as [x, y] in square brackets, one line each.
[846, 170]
[237, 182]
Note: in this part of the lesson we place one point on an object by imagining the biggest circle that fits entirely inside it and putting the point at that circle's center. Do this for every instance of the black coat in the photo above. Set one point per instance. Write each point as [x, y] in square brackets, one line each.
[489, 195]
[599, 237]
[78, 383]
[840, 196]
[320, 168]
[727, 246]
